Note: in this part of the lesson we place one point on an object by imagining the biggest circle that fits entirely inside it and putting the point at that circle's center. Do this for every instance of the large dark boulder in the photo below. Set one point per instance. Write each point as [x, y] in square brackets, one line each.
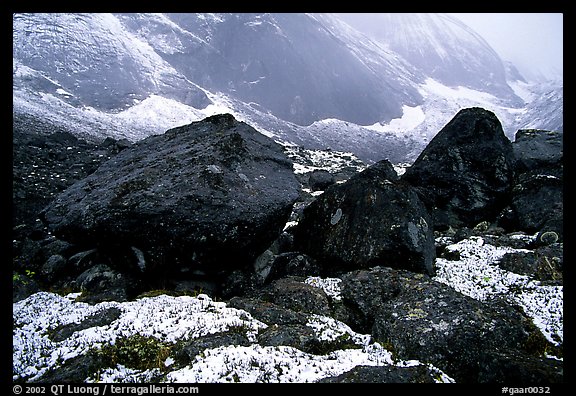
[208, 196]
[465, 174]
[418, 318]
[537, 195]
[372, 219]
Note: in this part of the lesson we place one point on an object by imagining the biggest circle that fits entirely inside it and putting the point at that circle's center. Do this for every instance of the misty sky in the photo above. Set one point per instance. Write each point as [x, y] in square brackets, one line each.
[532, 41]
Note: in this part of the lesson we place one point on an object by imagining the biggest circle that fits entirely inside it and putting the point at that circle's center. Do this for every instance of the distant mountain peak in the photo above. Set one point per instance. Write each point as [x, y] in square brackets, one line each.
[441, 46]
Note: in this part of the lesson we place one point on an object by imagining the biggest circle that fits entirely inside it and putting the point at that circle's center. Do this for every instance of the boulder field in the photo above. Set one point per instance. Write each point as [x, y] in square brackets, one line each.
[215, 207]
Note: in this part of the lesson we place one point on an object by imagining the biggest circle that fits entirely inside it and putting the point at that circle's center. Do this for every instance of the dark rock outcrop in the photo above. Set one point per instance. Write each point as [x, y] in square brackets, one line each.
[535, 148]
[465, 174]
[101, 283]
[292, 263]
[268, 312]
[372, 219]
[537, 196]
[208, 196]
[518, 368]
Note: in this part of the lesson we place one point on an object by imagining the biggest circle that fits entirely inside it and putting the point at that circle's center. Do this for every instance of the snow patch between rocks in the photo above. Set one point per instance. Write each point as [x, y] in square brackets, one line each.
[477, 275]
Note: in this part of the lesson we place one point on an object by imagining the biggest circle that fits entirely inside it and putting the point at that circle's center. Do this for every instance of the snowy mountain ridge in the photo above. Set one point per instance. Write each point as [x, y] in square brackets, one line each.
[133, 75]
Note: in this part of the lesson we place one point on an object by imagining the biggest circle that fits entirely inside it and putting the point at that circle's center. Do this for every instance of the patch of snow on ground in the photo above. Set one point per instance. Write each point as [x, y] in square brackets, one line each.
[433, 86]
[411, 118]
[476, 275]
[166, 318]
[306, 160]
[279, 364]
[331, 286]
[173, 318]
[523, 90]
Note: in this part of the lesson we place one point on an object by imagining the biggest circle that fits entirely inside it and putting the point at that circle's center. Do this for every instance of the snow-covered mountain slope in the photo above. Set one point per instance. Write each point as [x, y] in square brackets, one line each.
[107, 61]
[544, 110]
[305, 79]
[442, 47]
[96, 60]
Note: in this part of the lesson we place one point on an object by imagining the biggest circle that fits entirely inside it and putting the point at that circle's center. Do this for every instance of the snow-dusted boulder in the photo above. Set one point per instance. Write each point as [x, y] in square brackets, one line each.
[419, 318]
[209, 196]
[372, 219]
[465, 174]
[537, 197]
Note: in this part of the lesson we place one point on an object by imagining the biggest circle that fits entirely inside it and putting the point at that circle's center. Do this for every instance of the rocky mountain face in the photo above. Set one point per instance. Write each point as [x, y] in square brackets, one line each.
[440, 46]
[306, 79]
[545, 112]
[93, 60]
[148, 240]
[252, 57]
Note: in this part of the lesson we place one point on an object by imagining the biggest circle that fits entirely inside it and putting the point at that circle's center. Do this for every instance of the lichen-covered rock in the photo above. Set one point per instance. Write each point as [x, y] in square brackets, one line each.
[208, 197]
[418, 318]
[268, 312]
[465, 174]
[536, 148]
[298, 296]
[301, 337]
[372, 219]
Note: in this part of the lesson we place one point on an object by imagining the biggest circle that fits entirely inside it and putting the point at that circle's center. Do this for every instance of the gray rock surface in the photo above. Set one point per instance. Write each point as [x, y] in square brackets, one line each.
[384, 374]
[420, 319]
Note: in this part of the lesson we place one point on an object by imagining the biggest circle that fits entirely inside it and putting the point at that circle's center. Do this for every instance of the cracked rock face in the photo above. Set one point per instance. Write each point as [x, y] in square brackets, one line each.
[200, 194]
